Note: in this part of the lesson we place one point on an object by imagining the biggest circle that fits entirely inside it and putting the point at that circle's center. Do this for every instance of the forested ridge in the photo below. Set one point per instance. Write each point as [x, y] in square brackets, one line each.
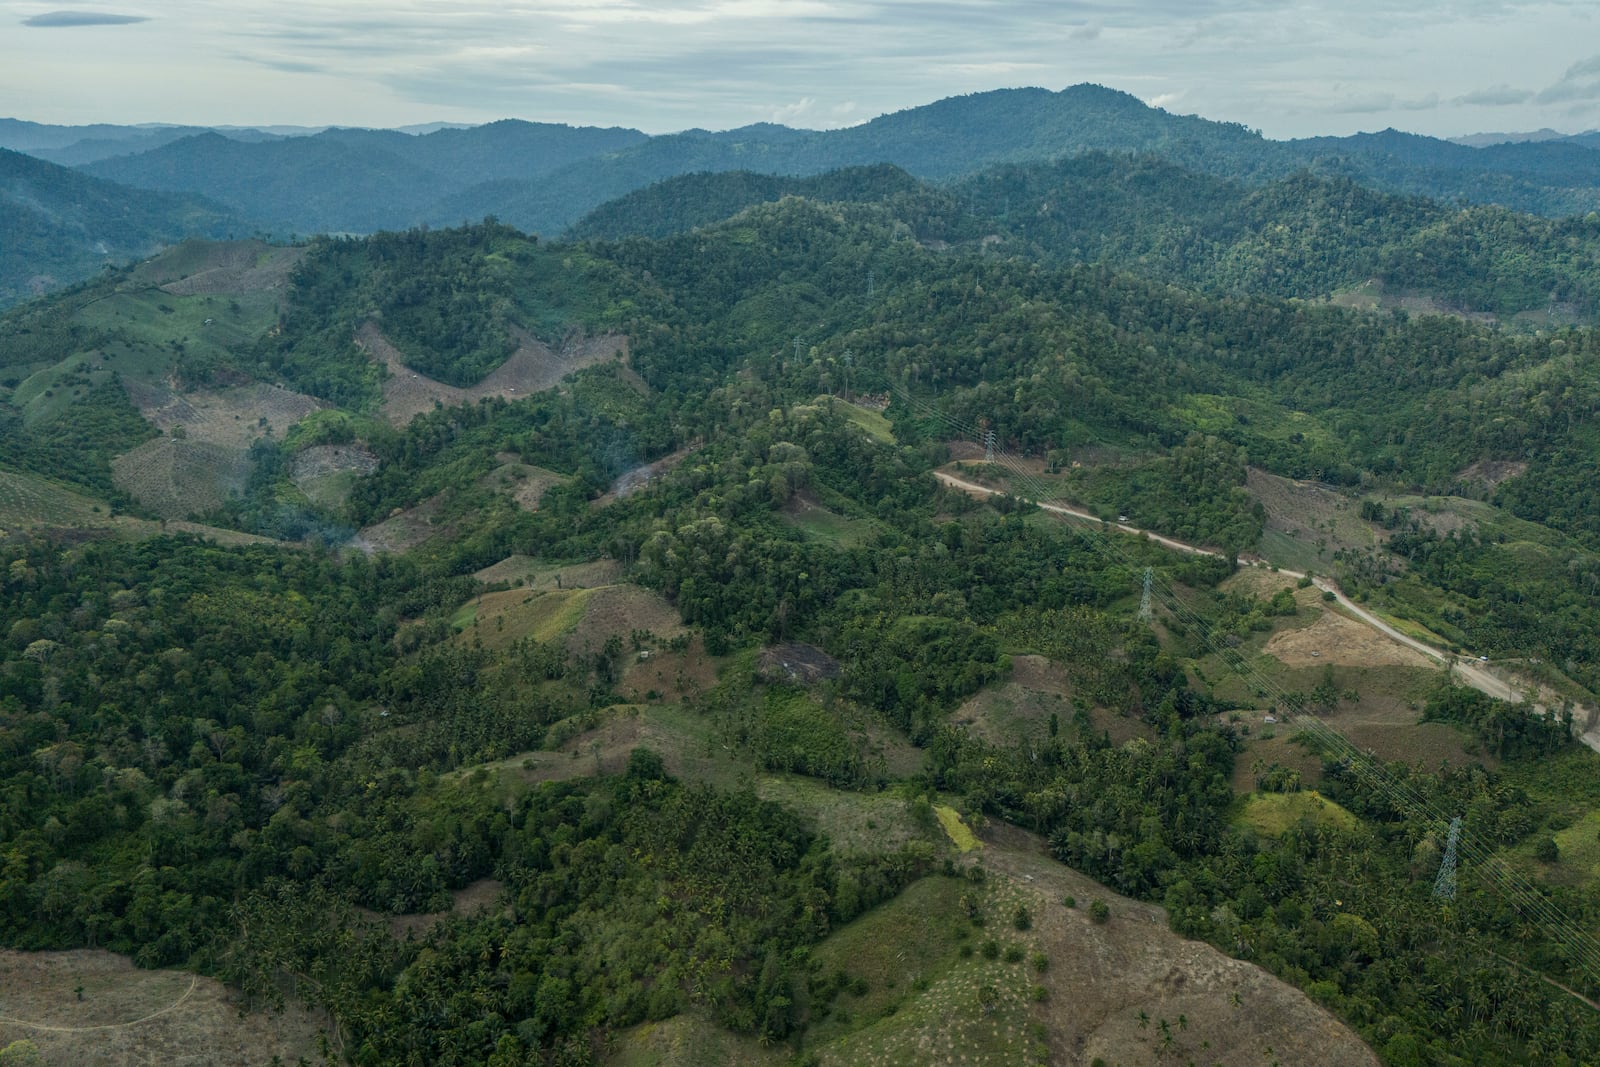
[243, 760]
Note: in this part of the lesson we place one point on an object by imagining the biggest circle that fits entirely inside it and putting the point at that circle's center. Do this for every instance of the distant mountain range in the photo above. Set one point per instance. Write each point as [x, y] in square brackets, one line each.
[543, 178]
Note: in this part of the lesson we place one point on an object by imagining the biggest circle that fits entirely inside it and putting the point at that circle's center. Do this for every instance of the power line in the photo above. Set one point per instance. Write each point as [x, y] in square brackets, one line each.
[1401, 796]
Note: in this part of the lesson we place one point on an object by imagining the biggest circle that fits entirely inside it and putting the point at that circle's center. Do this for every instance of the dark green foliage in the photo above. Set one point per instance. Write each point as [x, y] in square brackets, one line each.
[1510, 731]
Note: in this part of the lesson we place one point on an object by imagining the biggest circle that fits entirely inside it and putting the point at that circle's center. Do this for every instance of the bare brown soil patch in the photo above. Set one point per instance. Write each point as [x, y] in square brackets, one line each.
[1103, 978]
[620, 610]
[532, 368]
[524, 482]
[1334, 639]
[672, 676]
[1491, 472]
[129, 1017]
[197, 268]
[177, 478]
[1308, 511]
[539, 575]
[641, 476]
[327, 473]
[234, 417]
[797, 662]
[405, 531]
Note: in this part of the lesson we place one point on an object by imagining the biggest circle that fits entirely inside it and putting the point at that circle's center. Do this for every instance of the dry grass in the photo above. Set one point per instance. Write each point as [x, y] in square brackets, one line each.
[327, 473]
[1311, 522]
[1102, 977]
[197, 268]
[404, 530]
[176, 479]
[1332, 638]
[536, 574]
[133, 1018]
[690, 1040]
[532, 368]
[524, 482]
[234, 418]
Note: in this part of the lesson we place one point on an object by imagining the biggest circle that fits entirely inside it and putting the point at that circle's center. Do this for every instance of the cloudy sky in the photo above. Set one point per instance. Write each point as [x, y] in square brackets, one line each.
[1441, 67]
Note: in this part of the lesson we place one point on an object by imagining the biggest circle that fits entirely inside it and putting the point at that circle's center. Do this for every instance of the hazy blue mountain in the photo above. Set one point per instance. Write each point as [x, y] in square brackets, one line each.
[543, 178]
[358, 180]
[59, 226]
[964, 134]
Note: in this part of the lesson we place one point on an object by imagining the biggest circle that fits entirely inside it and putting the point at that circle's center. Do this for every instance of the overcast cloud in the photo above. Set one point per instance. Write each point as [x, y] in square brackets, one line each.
[1314, 67]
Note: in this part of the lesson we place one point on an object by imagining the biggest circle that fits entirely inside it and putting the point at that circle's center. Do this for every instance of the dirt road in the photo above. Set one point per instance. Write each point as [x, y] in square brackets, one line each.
[1467, 672]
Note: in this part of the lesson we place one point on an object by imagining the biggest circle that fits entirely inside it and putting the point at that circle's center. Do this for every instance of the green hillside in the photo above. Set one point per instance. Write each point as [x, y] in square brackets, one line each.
[618, 591]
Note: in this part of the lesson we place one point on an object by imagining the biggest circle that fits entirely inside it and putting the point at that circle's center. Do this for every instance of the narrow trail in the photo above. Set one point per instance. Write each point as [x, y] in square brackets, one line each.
[187, 993]
[1470, 674]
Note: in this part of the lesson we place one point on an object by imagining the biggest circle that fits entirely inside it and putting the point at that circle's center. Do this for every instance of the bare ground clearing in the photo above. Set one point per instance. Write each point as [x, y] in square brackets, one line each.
[234, 417]
[405, 531]
[176, 478]
[197, 268]
[129, 1017]
[641, 476]
[1334, 639]
[1310, 512]
[532, 368]
[1103, 977]
[525, 482]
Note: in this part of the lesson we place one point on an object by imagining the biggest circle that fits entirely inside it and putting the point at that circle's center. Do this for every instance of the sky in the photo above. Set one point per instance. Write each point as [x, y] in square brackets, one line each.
[1439, 67]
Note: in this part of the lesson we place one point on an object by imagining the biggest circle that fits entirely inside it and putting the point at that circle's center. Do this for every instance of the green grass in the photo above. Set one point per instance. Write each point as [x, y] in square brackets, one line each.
[1579, 846]
[829, 528]
[877, 427]
[465, 615]
[1277, 813]
[960, 835]
[27, 500]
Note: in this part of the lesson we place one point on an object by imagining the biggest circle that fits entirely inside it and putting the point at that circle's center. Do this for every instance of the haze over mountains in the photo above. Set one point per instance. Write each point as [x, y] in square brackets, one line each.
[544, 178]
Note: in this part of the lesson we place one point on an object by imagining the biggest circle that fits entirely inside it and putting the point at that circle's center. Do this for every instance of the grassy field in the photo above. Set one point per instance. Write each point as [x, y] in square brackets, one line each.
[1276, 813]
[873, 422]
[805, 514]
[28, 501]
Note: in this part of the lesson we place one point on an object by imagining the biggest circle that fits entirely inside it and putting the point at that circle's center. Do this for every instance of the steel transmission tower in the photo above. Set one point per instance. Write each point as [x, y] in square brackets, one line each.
[988, 447]
[1444, 886]
[1144, 600]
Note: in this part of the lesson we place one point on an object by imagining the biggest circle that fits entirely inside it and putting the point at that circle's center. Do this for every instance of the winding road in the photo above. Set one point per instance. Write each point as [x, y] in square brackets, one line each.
[1469, 673]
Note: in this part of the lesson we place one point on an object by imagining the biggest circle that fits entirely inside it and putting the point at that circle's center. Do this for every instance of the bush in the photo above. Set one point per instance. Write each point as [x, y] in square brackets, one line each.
[991, 950]
[1070, 901]
[1099, 910]
[1022, 918]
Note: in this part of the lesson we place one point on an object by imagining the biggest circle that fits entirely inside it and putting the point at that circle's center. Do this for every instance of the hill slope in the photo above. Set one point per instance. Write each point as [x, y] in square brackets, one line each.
[58, 226]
